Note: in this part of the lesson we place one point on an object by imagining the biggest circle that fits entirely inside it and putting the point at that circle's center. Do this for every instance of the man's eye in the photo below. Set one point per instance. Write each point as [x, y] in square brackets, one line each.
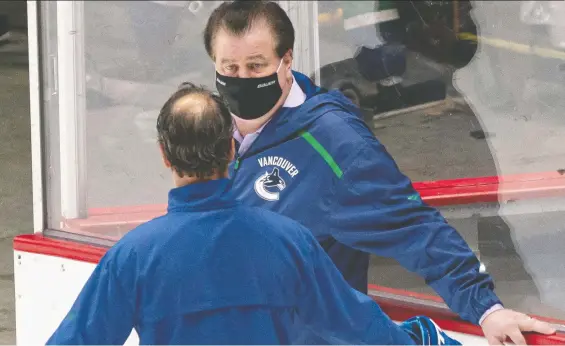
[256, 66]
[230, 68]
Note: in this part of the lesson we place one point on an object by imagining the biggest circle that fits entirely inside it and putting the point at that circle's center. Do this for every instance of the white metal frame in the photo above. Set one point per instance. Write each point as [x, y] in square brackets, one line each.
[72, 108]
[70, 84]
[304, 17]
[35, 117]
[316, 40]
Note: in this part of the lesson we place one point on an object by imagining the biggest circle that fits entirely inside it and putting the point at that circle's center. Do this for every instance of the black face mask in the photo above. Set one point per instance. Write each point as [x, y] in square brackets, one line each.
[249, 98]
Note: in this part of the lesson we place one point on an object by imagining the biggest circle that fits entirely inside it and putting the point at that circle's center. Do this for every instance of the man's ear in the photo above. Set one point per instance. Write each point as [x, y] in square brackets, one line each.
[287, 58]
[290, 54]
[166, 162]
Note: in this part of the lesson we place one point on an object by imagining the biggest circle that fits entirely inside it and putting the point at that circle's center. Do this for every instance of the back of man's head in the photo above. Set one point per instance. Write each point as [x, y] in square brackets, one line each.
[239, 17]
[195, 131]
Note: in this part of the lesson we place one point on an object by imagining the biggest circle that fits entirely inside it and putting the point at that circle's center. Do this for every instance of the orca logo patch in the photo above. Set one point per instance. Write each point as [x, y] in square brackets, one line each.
[271, 183]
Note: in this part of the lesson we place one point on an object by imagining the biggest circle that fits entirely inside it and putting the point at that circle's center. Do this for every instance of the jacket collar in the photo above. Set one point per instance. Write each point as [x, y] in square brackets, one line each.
[209, 195]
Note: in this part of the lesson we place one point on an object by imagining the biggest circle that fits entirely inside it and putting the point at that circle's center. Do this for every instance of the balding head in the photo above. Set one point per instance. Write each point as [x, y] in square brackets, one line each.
[195, 132]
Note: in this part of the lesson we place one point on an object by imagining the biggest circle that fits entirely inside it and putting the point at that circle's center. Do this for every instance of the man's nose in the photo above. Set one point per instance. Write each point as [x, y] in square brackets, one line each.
[243, 73]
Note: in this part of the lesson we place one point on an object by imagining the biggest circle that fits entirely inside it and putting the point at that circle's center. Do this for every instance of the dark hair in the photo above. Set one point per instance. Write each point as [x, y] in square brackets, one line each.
[196, 135]
[238, 17]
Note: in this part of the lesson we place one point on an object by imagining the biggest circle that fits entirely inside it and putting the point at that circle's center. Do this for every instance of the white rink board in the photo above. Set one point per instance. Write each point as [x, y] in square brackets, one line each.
[46, 287]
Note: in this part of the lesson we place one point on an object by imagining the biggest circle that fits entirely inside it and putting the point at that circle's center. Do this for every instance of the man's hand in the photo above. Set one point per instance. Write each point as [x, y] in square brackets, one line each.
[504, 323]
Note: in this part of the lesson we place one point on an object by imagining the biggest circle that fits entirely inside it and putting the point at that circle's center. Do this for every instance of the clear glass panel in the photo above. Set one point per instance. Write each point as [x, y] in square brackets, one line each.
[454, 89]
[520, 245]
[496, 68]
[137, 53]
[459, 89]
[133, 60]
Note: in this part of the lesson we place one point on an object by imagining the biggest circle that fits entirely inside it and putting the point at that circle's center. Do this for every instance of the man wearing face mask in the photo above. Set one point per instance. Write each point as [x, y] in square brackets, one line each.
[306, 153]
[191, 276]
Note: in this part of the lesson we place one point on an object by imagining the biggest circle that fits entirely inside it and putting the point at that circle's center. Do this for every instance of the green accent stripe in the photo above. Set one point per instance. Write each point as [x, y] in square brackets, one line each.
[323, 152]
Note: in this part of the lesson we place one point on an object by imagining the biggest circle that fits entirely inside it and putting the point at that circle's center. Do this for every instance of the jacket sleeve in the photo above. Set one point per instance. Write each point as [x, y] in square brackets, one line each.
[331, 309]
[102, 314]
[377, 210]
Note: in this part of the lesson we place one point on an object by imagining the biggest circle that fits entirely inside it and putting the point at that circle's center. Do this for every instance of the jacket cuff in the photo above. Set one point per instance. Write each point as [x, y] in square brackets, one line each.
[494, 308]
[484, 305]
